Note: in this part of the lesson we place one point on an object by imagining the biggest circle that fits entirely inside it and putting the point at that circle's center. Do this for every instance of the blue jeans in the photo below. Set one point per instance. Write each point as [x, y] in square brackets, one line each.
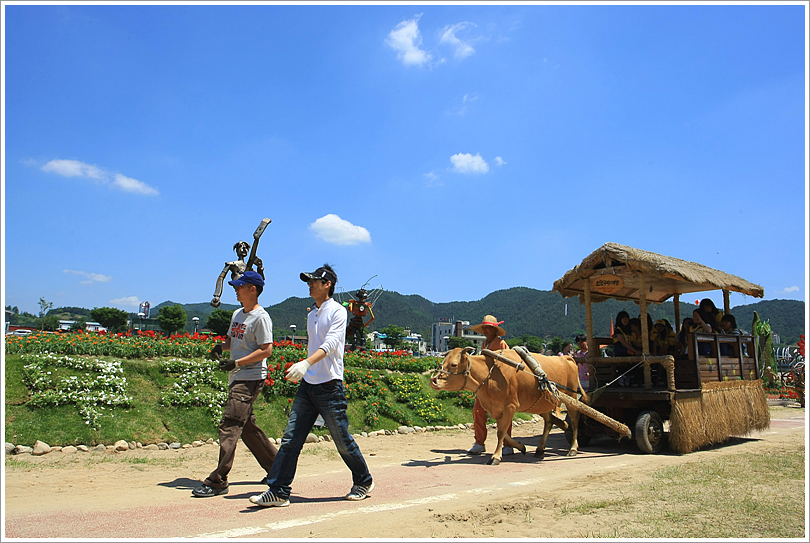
[328, 400]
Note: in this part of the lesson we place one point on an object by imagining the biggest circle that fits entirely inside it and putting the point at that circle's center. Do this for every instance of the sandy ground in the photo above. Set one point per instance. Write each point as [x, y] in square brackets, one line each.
[426, 486]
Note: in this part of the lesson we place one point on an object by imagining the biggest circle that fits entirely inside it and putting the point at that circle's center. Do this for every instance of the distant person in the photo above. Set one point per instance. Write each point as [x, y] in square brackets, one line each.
[701, 325]
[320, 392]
[567, 350]
[250, 341]
[493, 334]
[663, 338]
[682, 337]
[621, 336]
[711, 315]
[583, 366]
[635, 335]
[728, 325]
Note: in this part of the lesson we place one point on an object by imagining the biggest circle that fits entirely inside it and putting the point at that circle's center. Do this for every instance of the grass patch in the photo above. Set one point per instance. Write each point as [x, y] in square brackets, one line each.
[733, 496]
[16, 391]
[147, 421]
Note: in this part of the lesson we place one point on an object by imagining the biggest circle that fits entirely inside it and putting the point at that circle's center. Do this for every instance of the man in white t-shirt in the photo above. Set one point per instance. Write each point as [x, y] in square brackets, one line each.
[250, 341]
[320, 392]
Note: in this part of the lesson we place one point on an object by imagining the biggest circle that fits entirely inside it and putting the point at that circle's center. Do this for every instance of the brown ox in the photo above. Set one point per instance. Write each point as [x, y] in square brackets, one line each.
[503, 390]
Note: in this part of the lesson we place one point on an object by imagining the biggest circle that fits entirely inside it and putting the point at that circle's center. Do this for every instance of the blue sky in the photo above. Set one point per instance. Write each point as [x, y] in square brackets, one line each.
[451, 151]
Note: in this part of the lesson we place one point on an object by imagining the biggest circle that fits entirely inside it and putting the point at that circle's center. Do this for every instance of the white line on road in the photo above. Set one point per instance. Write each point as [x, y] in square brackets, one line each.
[280, 525]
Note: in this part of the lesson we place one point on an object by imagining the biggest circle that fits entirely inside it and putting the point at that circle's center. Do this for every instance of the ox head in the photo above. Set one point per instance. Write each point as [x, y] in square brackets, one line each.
[455, 368]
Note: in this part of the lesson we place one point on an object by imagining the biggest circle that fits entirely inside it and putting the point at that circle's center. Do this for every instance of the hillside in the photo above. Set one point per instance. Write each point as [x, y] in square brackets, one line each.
[525, 311]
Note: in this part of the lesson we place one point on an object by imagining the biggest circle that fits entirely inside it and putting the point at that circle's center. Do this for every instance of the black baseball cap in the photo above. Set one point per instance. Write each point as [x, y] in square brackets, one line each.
[321, 273]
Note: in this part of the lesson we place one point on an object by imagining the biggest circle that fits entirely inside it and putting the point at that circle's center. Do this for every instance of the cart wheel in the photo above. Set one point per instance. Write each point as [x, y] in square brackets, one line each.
[649, 432]
[583, 436]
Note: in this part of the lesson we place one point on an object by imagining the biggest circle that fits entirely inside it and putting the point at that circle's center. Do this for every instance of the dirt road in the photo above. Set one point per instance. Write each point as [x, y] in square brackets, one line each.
[426, 486]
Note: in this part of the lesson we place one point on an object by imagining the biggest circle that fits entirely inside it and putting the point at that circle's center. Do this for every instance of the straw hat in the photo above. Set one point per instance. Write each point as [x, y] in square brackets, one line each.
[489, 320]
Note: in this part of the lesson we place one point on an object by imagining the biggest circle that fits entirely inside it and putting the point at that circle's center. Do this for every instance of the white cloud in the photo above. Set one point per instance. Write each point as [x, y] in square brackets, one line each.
[129, 184]
[75, 168]
[91, 277]
[794, 288]
[333, 229]
[467, 163]
[499, 161]
[462, 48]
[129, 301]
[467, 99]
[406, 40]
[433, 179]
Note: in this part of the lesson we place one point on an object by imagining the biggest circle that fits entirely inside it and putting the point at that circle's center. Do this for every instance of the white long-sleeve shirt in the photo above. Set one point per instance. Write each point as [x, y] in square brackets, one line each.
[326, 328]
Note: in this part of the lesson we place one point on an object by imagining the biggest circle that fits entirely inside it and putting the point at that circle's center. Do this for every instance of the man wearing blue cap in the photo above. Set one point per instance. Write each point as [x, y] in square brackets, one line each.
[250, 341]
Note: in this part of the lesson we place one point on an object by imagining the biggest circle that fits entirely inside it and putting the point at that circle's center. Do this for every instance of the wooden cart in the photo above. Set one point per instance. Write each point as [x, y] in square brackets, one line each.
[706, 398]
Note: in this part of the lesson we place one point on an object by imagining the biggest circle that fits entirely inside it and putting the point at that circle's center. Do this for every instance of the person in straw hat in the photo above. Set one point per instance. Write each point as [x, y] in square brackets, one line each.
[492, 332]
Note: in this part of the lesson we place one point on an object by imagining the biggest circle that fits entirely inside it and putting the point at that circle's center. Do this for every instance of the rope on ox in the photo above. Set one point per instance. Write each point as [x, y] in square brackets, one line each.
[569, 401]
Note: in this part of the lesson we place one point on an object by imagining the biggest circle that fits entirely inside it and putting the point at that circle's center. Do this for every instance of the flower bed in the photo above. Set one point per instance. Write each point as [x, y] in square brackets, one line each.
[53, 380]
[196, 386]
[386, 383]
[144, 345]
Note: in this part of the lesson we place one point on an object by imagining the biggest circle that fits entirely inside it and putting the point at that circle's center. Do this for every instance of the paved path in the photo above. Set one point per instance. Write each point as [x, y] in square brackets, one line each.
[422, 482]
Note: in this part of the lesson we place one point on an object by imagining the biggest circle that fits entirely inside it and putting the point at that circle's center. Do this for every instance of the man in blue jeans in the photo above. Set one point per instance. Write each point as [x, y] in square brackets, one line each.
[320, 392]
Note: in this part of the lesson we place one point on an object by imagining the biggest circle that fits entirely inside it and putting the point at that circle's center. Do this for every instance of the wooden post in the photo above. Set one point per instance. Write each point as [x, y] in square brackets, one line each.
[645, 333]
[589, 315]
[677, 301]
[726, 308]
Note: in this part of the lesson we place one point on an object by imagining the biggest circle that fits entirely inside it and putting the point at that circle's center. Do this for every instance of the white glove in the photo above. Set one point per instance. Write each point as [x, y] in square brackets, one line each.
[298, 370]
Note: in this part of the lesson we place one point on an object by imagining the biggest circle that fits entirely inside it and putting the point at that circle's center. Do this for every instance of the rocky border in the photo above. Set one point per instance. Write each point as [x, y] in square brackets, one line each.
[41, 448]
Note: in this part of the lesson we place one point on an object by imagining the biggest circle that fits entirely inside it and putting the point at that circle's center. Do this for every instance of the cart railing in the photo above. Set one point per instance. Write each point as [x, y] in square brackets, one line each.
[710, 357]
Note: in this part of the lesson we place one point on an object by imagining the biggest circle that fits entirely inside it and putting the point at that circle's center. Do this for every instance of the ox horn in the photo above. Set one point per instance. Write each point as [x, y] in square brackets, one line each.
[469, 350]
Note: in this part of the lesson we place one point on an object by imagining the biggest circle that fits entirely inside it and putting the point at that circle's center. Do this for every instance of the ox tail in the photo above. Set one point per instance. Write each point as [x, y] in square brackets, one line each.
[584, 398]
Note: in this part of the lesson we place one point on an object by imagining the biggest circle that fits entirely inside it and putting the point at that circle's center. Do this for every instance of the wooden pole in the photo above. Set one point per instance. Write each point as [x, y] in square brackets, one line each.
[677, 301]
[645, 332]
[726, 308]
[588, 314]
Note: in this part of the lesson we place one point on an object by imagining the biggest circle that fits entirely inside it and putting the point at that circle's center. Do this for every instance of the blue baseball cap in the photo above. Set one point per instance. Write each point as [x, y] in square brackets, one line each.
[248, 278]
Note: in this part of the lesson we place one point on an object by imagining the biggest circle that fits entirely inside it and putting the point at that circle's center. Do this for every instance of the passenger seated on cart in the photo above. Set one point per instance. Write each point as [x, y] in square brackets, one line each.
[702, 327]
[621, 336]
[663, 339]
[712, 315]
[682, 337]
[728, 324]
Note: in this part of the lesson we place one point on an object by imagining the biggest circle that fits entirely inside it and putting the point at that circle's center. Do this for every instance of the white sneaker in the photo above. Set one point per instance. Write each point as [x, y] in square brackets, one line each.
[269, 499]
[360, 492]
[506, 451]
[476, 449]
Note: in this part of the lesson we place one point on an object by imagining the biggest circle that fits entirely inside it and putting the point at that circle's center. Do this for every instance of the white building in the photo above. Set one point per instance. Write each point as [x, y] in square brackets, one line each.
[441, 331]
[375, 340]
[91, 326]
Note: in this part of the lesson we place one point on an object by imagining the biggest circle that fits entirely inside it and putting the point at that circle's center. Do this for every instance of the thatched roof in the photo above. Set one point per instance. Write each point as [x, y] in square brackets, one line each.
[666, 275]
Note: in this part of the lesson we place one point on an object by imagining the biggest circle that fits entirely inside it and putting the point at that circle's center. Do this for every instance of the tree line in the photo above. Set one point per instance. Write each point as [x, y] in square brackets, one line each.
[528, 313]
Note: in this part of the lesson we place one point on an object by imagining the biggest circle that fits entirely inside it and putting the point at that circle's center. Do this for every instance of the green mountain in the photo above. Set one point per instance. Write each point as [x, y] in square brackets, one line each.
[525, 311]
